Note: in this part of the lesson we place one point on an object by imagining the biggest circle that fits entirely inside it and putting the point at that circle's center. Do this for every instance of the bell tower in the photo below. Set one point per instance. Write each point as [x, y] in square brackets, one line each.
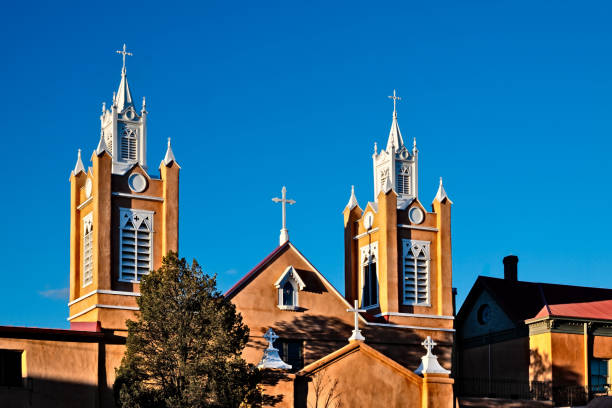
[398, 254]
[123, 219]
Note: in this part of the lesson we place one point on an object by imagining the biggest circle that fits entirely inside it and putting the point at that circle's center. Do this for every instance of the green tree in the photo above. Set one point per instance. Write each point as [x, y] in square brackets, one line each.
[185, 348]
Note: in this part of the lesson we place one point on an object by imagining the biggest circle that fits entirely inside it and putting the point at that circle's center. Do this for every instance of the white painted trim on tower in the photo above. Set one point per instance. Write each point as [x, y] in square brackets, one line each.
[104, 292]
[416, 227]
[142, 197]
[373, 230]
[416, 315]
[90, 308]
[84, 203]
[411, 327]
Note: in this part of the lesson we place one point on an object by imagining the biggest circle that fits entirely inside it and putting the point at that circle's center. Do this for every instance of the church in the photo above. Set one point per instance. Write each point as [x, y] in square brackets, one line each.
[386, 340]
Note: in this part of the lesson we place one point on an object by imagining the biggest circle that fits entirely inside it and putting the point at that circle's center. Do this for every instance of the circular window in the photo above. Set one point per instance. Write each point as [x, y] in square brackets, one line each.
[88, 188]
[416, 215]
[484, 314]
[137, 183]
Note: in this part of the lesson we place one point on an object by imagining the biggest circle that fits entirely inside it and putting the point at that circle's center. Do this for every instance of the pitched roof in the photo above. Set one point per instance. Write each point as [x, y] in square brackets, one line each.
[525, 300]
[597, 310]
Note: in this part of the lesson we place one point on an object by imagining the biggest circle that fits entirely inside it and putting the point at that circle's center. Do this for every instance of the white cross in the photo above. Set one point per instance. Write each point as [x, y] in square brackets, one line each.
[356, 332]
[124, 52]
[429, 344]
[394, 97]
[284, 236]
[271, 337]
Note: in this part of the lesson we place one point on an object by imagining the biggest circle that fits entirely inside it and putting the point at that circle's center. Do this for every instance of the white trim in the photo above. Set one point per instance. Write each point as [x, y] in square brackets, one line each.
[90, 308]
[409, 256]
[368, 251]
[373, 230]
[411, 327]
[416, 315]
[416, 227]
[142, 197]
[84, 203]
[104, 292]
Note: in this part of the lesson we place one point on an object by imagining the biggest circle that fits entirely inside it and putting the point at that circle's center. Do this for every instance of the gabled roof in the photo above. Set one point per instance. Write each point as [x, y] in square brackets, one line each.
[525, 300]
[358, 346]
[597, 310]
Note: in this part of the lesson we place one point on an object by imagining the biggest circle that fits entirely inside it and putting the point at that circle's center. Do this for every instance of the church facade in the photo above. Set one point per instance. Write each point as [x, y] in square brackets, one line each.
[374, 342]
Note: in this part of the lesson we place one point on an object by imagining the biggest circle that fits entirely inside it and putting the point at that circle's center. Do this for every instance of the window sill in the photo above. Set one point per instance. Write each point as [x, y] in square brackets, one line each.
[291, 308]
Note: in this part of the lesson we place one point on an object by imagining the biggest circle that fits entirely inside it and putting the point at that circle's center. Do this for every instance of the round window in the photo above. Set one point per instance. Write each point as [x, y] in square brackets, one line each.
[484, 314]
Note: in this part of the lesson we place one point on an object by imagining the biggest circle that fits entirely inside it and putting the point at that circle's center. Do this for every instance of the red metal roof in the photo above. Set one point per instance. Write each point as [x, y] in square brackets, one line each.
[599, 310]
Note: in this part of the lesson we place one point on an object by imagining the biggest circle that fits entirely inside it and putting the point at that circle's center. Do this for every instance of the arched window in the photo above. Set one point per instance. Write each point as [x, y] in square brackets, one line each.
[288, 294]
[136, 244]
[416, 272]
[128, 144]
[370, 282]
[403, 180]
[87, 249]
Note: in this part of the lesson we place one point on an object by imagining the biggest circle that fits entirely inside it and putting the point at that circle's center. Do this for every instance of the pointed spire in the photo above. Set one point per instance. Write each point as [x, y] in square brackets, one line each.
[414, 148]
[352, 203]
[387, 185]
[79, 165]
[144, 105]
[395, 136]
[169, 158]
[101, 146]
[124, 96]
[441, 194]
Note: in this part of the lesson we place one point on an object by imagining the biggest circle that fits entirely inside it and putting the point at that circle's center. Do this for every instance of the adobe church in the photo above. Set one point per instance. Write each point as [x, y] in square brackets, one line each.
[386, 341]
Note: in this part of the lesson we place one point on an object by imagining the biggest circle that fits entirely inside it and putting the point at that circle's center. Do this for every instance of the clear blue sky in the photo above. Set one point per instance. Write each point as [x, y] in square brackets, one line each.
[511, 102]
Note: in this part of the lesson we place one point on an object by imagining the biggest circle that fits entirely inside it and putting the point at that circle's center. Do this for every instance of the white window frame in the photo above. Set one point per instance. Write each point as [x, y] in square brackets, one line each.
[403, 174]
[289, 275]
[411, 246]
[137, 217]
[367, 252]
[130, 135]
[88, 249]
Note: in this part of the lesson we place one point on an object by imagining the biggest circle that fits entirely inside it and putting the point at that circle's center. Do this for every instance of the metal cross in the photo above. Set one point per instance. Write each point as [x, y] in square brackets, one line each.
[394, 97]
[284, 201]
[356, 332]
[429, 344]
[124, 53]
[271, 337]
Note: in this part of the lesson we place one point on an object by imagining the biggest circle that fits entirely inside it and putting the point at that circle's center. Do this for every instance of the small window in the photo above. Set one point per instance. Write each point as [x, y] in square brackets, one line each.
[288, 286]
[87, 249]
[288, 294]
[10, 368]
[291, 352]
[370, 287]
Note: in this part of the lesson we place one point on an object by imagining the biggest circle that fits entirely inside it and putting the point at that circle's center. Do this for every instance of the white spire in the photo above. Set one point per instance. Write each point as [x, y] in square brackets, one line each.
[101, 146]
[79, 165]
[169, 157]
[352, 203]
[395, 136]
[387, 186]
[124, 96]
[441, 194]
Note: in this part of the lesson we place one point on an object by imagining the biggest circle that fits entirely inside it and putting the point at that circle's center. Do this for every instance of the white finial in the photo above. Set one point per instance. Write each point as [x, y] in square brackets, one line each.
[395, 99]
[169, 157]
[101, 146]
[375, 147]
[79, 164]
[114, 97]
[429, 362]
[284, 234]
[414, 144]
[103, 107]
[124, 53]
[387, 185]
[144, 104]
[356, 332]
[441, 194]
[270, 358]
[352, 203]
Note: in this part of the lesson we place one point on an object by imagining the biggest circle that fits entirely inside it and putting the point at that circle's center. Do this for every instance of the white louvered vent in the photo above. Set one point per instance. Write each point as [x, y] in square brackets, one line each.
[403, 181]
[108, 141]
[136, 251]
[87, 249]
[416, 272]
[128, 144]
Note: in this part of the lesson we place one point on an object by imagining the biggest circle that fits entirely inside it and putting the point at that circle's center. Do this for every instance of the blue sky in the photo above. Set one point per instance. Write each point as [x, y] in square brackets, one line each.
[510, 103]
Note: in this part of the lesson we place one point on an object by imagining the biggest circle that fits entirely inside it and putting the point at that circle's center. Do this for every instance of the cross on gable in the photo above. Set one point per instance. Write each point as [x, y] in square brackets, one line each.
[271, 337]
[429, 344]
[284, 201]
[356, 332]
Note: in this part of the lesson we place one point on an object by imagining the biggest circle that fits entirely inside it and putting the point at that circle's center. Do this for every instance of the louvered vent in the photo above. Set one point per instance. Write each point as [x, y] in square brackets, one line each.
[416, 272]
[136, 245]
[87, 250]
[128, 144]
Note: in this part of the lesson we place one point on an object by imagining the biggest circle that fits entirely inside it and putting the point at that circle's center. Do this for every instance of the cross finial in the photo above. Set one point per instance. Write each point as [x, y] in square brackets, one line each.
[395, 99]
[270, 337]
[124, 53]
[429, 345]
[356, 332]
[284, 235]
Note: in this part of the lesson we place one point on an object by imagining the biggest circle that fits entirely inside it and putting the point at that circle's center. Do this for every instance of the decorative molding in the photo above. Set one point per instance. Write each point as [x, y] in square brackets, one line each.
[90, 308]
[416, 227]
[141, 197]
[402, 326]
[373, 230]
[416, 315]
[84, 203]
[104, 292]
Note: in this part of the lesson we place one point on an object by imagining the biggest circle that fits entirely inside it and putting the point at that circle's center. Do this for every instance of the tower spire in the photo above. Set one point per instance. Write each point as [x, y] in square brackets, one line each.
[79, 164]
[395, 140]
[124, 96]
